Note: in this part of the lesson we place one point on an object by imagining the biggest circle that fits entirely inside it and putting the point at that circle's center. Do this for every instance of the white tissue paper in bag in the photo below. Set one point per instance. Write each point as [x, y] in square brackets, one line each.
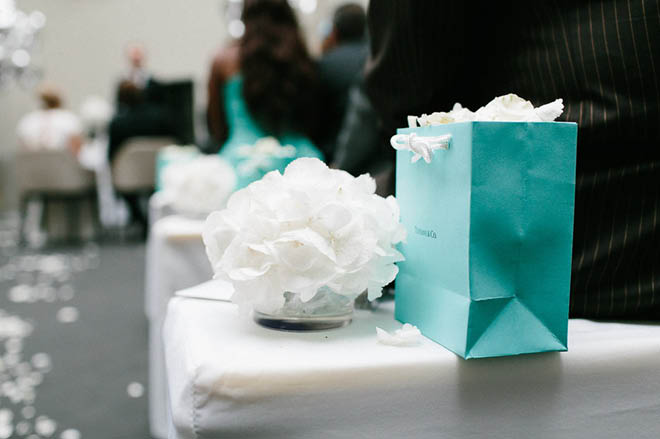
[507, 108]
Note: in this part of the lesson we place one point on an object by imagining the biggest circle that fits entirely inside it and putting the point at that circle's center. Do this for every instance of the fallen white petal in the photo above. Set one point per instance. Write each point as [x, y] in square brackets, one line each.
[135, 390]
[408, 335]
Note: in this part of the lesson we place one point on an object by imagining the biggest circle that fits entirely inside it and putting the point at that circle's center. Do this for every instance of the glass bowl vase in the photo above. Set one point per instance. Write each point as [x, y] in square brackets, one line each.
[326, 310]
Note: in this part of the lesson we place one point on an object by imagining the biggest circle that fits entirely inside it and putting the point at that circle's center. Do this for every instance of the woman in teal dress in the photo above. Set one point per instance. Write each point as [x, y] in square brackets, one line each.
[265, 85]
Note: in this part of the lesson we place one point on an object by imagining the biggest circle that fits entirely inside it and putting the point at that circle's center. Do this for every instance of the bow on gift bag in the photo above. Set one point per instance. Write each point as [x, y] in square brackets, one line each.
[421, 147]
[488, 258]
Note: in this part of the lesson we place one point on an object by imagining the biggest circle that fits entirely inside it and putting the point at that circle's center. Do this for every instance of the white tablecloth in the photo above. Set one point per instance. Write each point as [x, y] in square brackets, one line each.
[176, 259]
[229, 378]
[159, 208]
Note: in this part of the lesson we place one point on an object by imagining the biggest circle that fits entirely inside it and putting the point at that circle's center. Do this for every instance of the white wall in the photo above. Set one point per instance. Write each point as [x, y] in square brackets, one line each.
[83, 46]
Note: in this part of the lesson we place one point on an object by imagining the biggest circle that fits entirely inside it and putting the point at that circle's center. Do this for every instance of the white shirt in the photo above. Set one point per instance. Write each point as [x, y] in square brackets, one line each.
[48, 129]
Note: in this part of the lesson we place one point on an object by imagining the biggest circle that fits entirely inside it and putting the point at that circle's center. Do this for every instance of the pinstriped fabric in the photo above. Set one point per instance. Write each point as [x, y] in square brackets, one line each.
[639, 67]
[599, 81]
[654, 74]
[609, 63]
[623, 67]
[655, 238]
[569, 114]
[603, 58]
[616, 265]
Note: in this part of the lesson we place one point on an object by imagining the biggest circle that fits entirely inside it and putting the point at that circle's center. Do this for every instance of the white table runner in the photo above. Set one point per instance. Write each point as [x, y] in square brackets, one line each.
[230, 378]
[176, 259]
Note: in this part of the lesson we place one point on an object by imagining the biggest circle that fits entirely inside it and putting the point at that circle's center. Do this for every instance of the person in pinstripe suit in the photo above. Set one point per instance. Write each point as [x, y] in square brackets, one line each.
[603, 59]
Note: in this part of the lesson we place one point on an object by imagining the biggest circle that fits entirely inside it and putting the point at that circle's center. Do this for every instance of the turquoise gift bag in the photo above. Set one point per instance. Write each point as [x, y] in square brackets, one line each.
[490, 231]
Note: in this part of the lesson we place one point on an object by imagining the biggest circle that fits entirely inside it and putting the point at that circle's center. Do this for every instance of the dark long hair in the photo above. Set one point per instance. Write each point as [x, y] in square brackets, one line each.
[279, 76]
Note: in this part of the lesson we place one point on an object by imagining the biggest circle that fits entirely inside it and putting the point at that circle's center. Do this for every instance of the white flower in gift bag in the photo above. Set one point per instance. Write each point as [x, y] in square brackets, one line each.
[198, 186]
[304, 241]
[510, 107]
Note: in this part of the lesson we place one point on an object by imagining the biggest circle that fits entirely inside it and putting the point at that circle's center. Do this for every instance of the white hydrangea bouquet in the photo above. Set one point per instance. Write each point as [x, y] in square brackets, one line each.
[198, 186]
[308, 230]
[260, 156]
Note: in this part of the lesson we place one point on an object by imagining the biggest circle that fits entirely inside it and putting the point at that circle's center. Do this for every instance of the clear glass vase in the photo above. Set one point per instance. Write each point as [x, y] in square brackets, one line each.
[326, 310]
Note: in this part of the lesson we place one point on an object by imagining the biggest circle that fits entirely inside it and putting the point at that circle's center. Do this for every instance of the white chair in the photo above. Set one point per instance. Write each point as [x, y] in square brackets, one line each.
[134, 173]
[134, 168]
[54, 176]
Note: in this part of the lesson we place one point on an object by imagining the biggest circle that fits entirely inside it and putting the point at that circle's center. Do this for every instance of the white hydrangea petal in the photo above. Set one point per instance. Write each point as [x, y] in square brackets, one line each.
[308, 294]
[333, 216]
[367, 183]
[374, 291]
[310, 238]
[407, 335]
[551, 111]
[354, 244]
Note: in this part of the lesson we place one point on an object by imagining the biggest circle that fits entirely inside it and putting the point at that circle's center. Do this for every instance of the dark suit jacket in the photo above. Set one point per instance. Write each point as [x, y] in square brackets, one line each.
[165, 110]
[603, 59]
[339, 69]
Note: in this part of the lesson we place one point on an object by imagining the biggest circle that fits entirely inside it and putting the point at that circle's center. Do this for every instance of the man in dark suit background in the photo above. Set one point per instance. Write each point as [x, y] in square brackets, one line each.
[603, 59]
[345, 52]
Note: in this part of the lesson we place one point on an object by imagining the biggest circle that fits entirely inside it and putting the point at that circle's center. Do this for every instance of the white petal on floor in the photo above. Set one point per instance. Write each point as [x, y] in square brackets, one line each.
[6, 430]
[14, 345]
[41, 361]
[67, 314]
[13, 326]
[44, 426]
[20, 293]
[135, 390]
[70, 433]
[22, 428]
[6, 425]
[28, 412]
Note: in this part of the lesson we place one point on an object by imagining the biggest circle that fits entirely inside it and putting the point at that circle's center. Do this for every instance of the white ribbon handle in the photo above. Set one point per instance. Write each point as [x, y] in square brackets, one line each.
[421, 147]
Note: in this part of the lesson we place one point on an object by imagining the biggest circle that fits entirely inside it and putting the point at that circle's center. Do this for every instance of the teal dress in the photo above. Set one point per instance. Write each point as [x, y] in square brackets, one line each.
[244, 130]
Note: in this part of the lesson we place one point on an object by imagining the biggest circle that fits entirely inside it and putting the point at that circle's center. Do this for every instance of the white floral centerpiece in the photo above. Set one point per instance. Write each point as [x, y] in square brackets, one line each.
[95, 113]
[309, 230]
[260, 156]
[199, 185]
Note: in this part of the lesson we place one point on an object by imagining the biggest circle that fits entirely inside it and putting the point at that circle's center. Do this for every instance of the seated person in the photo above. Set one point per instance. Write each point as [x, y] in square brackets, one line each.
[265, 85]
[51, 127]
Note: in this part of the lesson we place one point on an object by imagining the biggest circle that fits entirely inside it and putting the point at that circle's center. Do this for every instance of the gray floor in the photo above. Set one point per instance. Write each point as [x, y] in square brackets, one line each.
[95, 359]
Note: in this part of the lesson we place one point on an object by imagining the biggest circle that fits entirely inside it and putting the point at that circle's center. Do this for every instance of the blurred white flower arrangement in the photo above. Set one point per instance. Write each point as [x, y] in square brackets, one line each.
[199, 185]
[259, 157]
[95, 113]
[509, 107]
[297, 232]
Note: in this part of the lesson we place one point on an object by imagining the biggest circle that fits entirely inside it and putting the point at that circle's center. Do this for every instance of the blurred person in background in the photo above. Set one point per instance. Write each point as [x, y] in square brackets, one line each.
[135, 115]
[141, 107]
[51, 127]
[264, 85]
[344, 54]
[359, 148]
[137, 72]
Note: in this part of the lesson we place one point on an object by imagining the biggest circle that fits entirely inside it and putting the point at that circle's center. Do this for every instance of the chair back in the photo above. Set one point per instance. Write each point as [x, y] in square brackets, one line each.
[51, 172]
[134, 168]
